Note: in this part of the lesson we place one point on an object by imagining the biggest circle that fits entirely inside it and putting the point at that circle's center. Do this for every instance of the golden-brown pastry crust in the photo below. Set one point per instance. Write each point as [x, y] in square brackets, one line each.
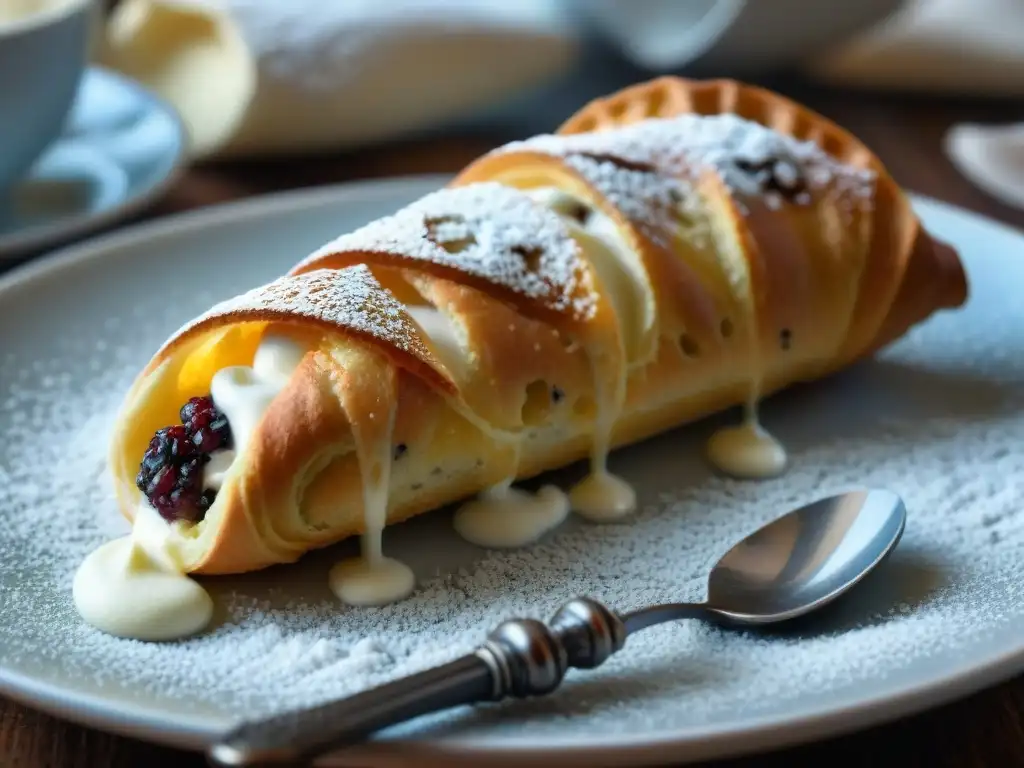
[879, 316]
[626, 272]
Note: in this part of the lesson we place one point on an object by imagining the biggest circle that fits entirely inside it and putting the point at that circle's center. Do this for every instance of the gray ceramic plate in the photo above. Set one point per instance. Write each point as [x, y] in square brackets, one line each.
[938, 418]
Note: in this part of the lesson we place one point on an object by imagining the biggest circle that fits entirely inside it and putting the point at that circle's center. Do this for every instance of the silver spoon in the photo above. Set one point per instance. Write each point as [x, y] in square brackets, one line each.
[792, 566]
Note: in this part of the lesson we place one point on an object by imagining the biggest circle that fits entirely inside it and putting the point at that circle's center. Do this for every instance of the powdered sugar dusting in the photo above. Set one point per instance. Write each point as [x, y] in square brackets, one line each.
[349, 299]
[488, 231]
[939, 419]
[647, 168]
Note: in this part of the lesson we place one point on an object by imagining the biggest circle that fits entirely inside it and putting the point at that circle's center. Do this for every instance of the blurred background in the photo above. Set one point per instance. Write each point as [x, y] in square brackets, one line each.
[270, 77]
[278, 94]
[259, 79]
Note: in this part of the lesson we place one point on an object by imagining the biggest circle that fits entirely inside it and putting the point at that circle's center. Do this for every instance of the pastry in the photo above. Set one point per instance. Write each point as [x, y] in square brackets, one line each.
[673, 250]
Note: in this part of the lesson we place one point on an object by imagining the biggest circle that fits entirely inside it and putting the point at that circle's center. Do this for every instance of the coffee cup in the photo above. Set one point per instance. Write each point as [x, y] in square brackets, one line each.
[44, 50]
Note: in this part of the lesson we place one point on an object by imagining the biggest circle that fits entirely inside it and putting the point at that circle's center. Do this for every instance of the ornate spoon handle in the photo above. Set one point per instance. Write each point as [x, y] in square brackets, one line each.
[520, 658]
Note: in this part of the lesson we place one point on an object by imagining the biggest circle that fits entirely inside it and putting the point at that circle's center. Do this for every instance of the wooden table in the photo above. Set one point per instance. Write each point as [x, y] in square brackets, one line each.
[986, 729]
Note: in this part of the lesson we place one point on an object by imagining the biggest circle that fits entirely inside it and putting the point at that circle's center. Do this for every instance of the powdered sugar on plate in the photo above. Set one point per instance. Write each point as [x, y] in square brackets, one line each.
[939, 419]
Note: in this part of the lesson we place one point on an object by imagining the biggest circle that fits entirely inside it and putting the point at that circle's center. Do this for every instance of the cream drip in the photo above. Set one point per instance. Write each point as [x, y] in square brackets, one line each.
[372, 578]
[363, 581]
[505, 517]
[621, 273]
[501, 516]
[602, 496]
[747, 450]
[132, 587]
[243, 393]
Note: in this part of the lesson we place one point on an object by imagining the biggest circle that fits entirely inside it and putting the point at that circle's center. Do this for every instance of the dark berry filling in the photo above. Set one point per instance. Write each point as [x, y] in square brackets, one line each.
[171, 471]
[207, 426]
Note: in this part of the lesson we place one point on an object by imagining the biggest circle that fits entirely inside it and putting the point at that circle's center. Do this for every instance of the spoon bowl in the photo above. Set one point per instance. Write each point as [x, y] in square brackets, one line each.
[807, 558]
[794, 565]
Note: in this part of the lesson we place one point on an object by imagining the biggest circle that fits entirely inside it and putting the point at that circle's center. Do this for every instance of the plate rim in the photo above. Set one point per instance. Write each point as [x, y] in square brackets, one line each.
[887, 703]
[20, 243]
[891, 703]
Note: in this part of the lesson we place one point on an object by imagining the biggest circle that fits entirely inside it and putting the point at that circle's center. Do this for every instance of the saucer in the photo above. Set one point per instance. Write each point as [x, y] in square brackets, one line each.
[121, 149]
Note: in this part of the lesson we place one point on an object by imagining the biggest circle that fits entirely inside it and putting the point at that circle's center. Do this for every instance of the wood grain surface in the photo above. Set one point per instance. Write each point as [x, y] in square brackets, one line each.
[985, 730]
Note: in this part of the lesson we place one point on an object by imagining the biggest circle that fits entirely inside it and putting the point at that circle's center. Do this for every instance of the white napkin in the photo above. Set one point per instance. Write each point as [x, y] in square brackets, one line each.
[262, 77]
[972, 47]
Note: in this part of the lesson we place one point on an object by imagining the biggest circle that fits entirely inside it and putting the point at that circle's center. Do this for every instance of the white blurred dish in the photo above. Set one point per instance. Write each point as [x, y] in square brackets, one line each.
[992, 157]
[970, 47]
[734, 36]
